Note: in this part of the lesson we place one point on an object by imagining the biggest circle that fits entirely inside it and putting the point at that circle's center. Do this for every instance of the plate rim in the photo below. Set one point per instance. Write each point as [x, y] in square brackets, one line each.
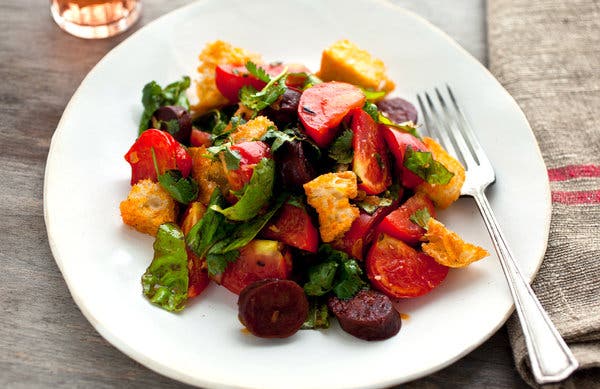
[178, 375]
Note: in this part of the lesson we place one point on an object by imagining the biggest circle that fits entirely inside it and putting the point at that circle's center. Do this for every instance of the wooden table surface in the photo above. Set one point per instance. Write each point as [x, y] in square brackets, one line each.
[44, 339]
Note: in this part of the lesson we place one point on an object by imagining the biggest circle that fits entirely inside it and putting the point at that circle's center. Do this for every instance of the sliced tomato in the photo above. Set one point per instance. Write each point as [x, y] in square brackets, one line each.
[169, 153]
[198, 278]
[371, 163]
[397, 142]
[294, 227]
[231, 78]
[259, 260]
[323, 106]
[400, 271]
[398, 225]
[200, 138]
[251, 153]
[362, 231]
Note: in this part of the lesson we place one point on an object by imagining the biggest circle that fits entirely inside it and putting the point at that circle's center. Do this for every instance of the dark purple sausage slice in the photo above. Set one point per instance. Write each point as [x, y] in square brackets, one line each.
[273, 308]
[295, 166]
[369, 315]
[164, 118]
[398, 110]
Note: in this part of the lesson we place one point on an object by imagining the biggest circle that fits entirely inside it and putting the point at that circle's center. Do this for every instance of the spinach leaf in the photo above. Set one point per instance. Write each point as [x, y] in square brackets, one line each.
[318, 315]
[257, 193]
[341, 148]
[165, 282]
[154, 97]
[423, 165]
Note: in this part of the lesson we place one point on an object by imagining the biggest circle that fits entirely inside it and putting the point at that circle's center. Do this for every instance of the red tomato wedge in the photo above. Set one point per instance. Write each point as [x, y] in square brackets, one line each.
[398, 225]
[259, 260]
[400, 271]
[169, 153]
[397, 142]
[371, 163]
[251, 153]
[323, 107]
[198, 278]
[293, 227]
[362, 231]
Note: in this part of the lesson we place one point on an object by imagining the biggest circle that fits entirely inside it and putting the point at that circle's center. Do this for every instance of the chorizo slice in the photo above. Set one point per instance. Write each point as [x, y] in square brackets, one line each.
[273, 308]
[369, 315]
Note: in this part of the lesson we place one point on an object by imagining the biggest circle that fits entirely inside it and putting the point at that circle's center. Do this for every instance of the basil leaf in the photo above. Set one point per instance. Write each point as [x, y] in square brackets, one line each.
[341, 148]
[420, 217]
[165, 282]
[371, 109]
[320, 278]
[257, 193]
[423, 165]
[211, 228]
[257, 71]
[408, 127]
[181, 189]
[154, 97]
[318, 315]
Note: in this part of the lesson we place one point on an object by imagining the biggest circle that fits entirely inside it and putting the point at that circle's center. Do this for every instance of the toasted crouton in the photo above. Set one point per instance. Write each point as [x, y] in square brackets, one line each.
[215, 53]
[345, 61]
[252, 130]
[443, 195]
[148, 206]
[329, 195]
[447, 248]
[207, 172]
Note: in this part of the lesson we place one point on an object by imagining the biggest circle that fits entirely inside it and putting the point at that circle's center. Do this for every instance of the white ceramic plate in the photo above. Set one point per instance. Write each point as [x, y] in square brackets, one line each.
[102, 260]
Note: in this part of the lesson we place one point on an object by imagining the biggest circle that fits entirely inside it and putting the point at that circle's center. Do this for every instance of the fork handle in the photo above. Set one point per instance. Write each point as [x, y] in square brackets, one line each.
[551, 360]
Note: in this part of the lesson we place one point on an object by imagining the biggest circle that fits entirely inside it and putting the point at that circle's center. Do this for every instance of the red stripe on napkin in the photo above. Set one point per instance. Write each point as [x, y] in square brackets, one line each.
[573, 171]
[580, 197]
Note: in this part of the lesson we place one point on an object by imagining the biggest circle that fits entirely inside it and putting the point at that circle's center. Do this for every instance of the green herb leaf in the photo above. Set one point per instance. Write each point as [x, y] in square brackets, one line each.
[277, 138]
[373, 203]
[217, 263]
[420, 217]
[320, 278]
[154, 97]
[371, 109]
[372, 95]
[423, 165]
[318, 315]
[257, 101]
[211, 228]
[311, 79]
[181, 189]
[257, 71]
[165, 282]
[348, 279]
[408, 127]
[341, 148]
[257, 193]
[232, 159]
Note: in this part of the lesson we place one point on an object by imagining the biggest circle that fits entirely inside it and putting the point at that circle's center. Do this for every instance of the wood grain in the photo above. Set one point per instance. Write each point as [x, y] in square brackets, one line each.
[44, 339]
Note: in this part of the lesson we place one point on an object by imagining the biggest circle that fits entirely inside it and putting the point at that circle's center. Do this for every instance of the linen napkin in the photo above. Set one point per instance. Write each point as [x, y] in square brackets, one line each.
[546, 53]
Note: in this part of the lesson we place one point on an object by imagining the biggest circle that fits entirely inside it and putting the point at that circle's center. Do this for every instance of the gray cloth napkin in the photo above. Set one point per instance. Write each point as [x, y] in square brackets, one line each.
[546, 53]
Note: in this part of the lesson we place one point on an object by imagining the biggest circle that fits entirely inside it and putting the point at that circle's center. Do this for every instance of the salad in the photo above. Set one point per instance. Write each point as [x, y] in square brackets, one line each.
[309, 195]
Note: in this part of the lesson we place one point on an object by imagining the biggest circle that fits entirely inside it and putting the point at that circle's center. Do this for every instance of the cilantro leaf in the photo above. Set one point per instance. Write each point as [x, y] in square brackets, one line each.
[217, 262]
[165, 282]
[420, 217]
[318, 315]
[341, 148]
[181, 189]
[232, 159]
[256, 195]
[257, 71]
[371, 109]
[320, 278]
[408, 127]
[423, 165]
[259, 100]
[349, 280]
[277, 138]
[154, 97]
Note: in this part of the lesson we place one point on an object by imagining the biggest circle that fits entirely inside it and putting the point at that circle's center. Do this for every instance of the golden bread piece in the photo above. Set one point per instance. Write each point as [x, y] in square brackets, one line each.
[443, 195]
[208, 173]
[252, 130]
[216, 53]
[447, 248]
[329, 195]
[345, 61]
[148, 206]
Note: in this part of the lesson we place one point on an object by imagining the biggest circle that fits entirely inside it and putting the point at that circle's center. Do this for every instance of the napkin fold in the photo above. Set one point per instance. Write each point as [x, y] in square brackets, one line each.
[546, 53]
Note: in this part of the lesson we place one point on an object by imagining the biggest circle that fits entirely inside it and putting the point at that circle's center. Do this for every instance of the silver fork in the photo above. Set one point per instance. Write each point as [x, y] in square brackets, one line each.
[551, 360]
